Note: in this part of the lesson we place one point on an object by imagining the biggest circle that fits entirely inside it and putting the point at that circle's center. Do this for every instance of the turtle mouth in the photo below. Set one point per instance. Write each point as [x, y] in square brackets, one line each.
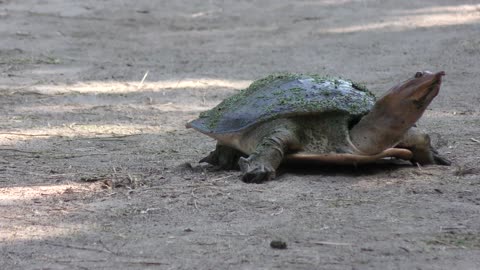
[435, 87]
[432, 88]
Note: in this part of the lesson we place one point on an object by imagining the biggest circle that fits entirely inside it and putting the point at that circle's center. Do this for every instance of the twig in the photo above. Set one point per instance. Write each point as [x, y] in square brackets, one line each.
[205, 187]
[474, 140]
[70, 261]
[105, 260]
[27, 172]
[146, 263]
[237, 233]
[18, 150]
[221, 178]
[70, 126]
[146, 211]
[194, 199]
[444, 243]
[106, 248]
[25, 134]
[78, 156]
[203, 98]
[195, 204]
[277, 213]
[178, 83]
[78, 247]
[326, 243]
[143, 79]
[452, 228]
[419, 166]
[160, 188]
[112, 138]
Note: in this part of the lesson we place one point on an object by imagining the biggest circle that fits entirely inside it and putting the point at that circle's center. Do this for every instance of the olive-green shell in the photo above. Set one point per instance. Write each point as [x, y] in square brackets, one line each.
[284, 95]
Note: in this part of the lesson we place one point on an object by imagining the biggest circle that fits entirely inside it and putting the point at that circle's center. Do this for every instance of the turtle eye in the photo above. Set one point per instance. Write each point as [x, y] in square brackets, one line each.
[418, 74]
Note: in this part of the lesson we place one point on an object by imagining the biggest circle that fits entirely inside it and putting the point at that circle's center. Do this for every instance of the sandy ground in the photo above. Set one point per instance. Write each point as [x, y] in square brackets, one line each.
[98, 172]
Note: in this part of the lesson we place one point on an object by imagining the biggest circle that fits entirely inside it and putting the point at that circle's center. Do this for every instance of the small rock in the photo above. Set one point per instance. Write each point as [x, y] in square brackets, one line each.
[185, 166]
[278, 244]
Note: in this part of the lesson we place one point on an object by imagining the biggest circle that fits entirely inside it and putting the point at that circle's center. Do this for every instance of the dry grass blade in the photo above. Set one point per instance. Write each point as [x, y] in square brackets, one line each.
[464, 170]
[326, 243]
[25, 134]
[78, 247]
[143, 80]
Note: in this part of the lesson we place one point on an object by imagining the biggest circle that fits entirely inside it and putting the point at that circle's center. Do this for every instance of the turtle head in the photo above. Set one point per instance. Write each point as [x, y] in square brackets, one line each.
[395, 112]
[405, 103]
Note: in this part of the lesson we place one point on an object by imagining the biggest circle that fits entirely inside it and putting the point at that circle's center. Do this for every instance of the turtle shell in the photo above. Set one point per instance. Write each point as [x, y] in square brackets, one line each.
[284, 95]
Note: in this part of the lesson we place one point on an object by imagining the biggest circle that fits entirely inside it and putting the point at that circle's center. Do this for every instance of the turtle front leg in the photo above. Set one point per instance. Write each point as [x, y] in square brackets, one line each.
[224, 157]
[423, 153]
[260, 166]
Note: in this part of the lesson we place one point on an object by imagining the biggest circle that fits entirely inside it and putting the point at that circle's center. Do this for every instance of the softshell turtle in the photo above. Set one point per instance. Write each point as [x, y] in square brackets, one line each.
[308, 117]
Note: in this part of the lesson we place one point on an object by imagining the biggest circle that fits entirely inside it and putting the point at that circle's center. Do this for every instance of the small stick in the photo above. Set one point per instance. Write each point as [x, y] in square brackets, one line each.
[146, 263]
[195, 204]
[277, 213]
[203, 98]
[475, 140]
[105, 247]
[78, 247]
[143, 79]
[326, 243]
[221, 178]
[18, 150]
[419, 166]
[25, 134]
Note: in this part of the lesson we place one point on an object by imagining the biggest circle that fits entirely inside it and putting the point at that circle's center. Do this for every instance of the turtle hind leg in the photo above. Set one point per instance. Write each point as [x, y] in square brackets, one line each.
[423, 152]
[224, 158]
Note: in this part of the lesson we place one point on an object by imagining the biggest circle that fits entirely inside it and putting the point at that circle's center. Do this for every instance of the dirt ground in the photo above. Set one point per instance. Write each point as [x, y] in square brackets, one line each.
[97, 170]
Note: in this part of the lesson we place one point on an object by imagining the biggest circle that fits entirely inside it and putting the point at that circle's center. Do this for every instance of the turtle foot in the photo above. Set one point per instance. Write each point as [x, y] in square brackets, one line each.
[255, 171]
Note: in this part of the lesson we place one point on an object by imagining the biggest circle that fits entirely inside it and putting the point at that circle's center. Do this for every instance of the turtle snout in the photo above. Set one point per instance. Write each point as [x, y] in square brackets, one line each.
[438, 76]
[430, 92]
[441, 73]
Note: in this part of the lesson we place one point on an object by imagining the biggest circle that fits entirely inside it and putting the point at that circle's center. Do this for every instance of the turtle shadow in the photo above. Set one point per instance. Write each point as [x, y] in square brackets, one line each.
[313, 168]
[321, 169]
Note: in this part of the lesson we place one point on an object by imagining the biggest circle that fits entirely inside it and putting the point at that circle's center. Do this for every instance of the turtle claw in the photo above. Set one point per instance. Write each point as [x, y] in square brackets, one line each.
[439, 160]
[258, 175]
[442, 161]
[255, 172]
[212, 159]
[431, 157]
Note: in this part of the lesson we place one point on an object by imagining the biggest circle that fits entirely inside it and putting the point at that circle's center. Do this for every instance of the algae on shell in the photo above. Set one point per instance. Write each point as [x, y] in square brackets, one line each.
[285, 94]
